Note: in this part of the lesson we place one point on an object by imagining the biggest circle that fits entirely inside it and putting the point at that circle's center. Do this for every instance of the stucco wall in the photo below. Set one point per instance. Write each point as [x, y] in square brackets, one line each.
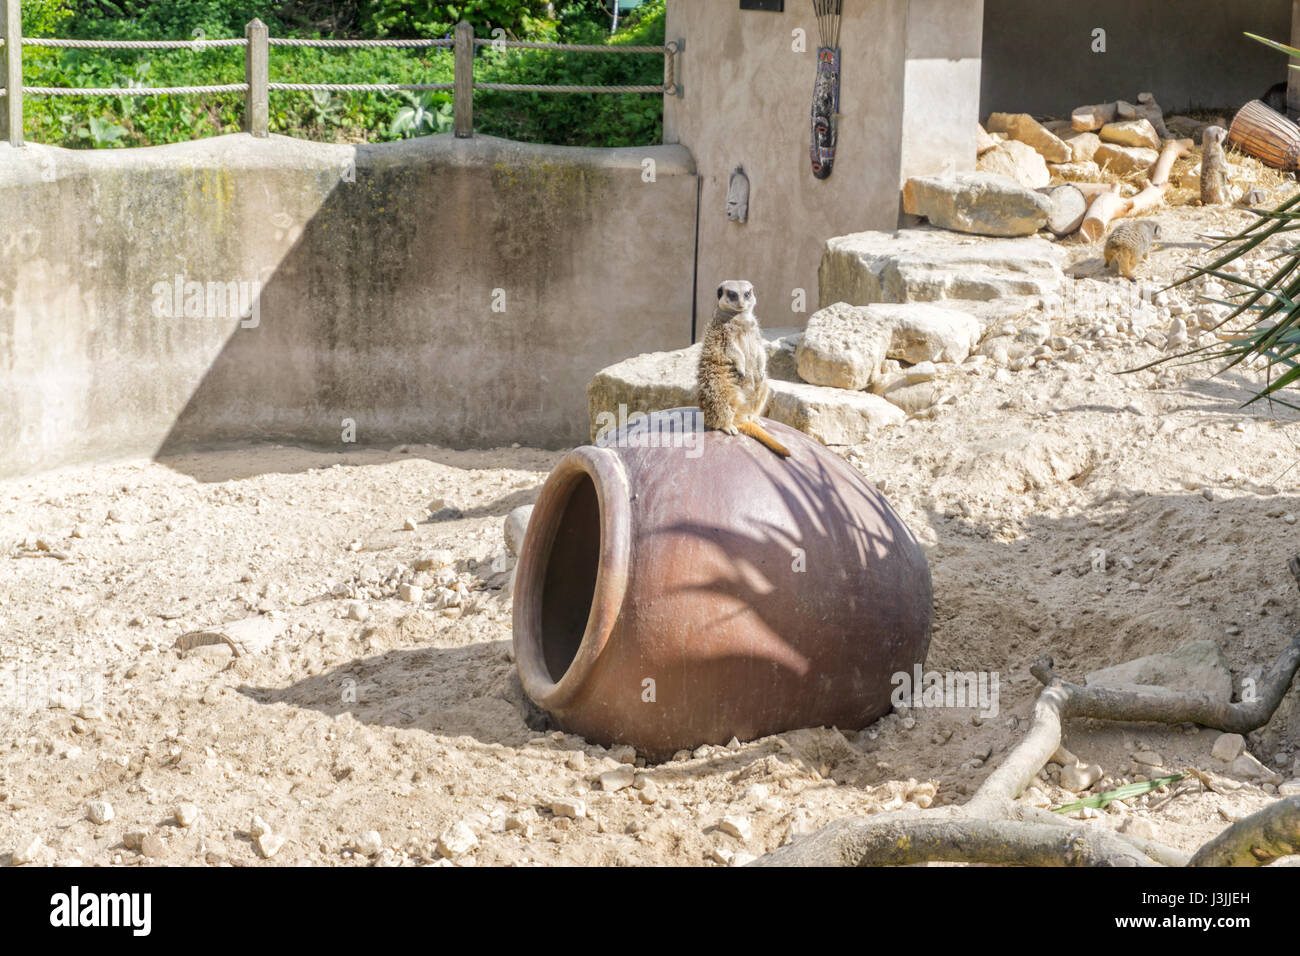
[379, 268]
[747, 101]
[1038, 56]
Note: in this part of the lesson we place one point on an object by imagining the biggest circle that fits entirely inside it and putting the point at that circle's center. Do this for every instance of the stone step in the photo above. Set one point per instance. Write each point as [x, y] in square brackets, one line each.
[657, 381]
[933, 265]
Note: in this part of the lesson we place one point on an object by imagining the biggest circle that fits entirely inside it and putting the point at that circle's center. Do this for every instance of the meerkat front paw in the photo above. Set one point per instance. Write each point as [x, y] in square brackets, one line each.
[731, 430]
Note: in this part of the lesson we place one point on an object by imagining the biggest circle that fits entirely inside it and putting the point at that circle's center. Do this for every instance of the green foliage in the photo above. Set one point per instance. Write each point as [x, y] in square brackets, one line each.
[574, 119]
[1127, 792]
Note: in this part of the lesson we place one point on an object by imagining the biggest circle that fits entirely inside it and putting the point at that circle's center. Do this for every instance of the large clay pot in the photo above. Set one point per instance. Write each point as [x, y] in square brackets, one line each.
[668, 597]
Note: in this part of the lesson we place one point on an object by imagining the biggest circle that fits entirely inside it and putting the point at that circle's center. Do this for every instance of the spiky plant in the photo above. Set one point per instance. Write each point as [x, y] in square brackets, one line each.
[1272, 333]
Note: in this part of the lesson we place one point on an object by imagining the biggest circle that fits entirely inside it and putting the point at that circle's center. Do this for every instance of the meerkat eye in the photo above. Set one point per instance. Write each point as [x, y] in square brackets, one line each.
[749, 295]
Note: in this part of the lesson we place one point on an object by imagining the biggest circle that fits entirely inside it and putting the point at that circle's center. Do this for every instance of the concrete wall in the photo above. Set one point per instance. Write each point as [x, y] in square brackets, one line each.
[378, 266]
[747, 100]
[1038, 56]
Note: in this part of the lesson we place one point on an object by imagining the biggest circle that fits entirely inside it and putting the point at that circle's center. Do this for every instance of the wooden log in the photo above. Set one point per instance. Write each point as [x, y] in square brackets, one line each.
[1146, 200]
[1092, 190]
[1104, 208]
[1173, 151]
[1087, 118]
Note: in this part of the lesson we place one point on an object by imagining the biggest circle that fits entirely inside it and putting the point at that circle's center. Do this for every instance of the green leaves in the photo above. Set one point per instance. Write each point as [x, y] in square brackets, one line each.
[1126, 792]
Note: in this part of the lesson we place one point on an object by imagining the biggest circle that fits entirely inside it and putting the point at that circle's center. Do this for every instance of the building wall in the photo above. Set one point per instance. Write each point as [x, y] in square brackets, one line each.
[459, 292]
[747, 103]
[1038, 56]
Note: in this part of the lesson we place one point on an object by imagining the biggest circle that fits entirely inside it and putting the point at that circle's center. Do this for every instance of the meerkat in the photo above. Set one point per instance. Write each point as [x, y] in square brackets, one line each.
[1214, 167]
[731, 384]
[1129, 243]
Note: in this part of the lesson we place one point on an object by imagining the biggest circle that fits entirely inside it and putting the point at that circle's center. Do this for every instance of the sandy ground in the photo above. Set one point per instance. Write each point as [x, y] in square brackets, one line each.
[411, 723]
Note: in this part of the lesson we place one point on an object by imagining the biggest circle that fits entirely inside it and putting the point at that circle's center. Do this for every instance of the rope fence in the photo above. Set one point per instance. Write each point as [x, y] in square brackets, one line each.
[257, 84]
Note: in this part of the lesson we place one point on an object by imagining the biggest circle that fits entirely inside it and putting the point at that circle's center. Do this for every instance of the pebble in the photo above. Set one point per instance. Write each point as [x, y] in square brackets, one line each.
[618, 779]
[358, 611]
[1290, 788]
[411, 593]
[28, 850]
[186, 814]
[1078, 779]
[269, 844]
[368, 843]
[648, 792]
[742, 858]
[153, 846]
[457, 840]
[1140, 827]
[736, 826]
[1149, 757]
[258, 827]
[435, 560]
[409, 525]
[134, 839]
[1228, 747]
[570, 807]
[99, 812]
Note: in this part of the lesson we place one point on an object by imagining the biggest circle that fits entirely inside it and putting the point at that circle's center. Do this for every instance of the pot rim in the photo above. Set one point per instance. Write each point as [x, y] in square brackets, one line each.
[605, 469]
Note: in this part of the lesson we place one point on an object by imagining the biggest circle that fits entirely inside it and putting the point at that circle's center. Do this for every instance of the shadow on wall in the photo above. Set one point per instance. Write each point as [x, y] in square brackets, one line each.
[1039, 57]
[440, 291]
[464, 304]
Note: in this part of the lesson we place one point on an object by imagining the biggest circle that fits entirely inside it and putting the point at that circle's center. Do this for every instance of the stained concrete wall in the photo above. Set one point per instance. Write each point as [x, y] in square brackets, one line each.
[1038, 56]
[908, 104]
[379, 269]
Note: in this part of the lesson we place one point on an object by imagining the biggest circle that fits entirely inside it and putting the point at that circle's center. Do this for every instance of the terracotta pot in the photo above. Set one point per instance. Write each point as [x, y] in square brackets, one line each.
[668, 597]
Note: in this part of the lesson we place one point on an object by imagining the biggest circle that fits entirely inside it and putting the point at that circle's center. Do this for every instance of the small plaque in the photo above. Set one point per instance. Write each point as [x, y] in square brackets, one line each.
[771, 6]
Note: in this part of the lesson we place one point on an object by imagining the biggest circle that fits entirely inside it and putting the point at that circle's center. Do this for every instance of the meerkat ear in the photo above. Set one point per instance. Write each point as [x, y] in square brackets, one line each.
[718, 294]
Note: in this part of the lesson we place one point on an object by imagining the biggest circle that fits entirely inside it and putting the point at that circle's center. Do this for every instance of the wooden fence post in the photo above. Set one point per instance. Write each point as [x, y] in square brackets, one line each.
[11, 30]
[257, 74]
[463, 95]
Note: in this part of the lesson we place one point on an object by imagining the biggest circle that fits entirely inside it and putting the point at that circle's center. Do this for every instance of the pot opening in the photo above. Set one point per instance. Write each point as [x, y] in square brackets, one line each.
[570, 583]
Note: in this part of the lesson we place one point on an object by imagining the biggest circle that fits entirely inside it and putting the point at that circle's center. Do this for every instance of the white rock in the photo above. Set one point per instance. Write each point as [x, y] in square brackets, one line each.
[1228, 747]
[844, 346]
[570, 807]
[369, 843]
[1140, 827]
[99, 811]
[28, 850]
[1080, 778]
[358, 611]
[258, 827]
[269, 844]
[617, 779]
[411, 593]
[186, 814]
[737, 826]
[457, 840]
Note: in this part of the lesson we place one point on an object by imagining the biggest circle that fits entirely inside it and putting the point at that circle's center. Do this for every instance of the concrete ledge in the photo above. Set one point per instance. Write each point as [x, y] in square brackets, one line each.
[458, 292]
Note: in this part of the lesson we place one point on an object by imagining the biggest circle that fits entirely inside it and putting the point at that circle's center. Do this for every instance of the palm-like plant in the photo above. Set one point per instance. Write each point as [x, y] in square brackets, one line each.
[1273, 331]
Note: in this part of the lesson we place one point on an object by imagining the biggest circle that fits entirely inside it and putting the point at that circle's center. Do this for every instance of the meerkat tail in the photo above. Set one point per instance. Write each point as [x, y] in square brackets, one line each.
[756, 431]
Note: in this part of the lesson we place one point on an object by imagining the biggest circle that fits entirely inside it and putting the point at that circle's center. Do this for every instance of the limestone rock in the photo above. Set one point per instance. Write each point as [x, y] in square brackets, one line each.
[1076, 779]
[782, 349]
[1085, 171]
[928, 333]
[369, 843]
[618, 779]
[834, 416]
[99, 812]
[1199, 666]
[1228, 747]
[1125, 160]
[983, 141]
[1083, 145]
[1016, 161]
[1026, 129]
[28, 850]
[844, 346]
[457, 840]
[984, 203]
[1138, 132]
[911, 397]
[570, 807]
[927, 265]
[1068, 207]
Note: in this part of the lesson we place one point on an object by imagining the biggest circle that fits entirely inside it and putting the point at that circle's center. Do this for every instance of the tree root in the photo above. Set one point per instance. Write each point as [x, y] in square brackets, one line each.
[1257, 840]
[992, 828]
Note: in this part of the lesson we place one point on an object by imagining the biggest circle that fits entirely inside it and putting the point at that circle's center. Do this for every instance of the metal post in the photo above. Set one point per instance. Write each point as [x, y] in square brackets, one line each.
[463, 94]
[11, 29]
[257, 74]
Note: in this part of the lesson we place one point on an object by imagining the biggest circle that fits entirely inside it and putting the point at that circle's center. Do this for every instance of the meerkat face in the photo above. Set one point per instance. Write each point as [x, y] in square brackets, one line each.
[1214, 134]
[1155, 230]
[736, 295]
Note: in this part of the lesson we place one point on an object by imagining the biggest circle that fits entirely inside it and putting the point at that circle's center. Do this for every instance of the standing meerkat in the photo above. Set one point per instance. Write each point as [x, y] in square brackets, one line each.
[1214, 167]
[731, 384]
[1129, 243]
